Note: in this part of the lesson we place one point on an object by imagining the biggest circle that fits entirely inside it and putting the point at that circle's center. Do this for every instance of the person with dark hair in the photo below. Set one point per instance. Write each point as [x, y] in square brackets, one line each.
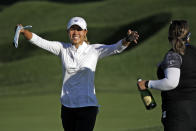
[79, 59]
[177, 80]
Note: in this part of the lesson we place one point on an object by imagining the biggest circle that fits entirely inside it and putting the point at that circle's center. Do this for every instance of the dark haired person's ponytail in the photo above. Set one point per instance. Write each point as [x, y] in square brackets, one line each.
[179, 46]
[179, 35]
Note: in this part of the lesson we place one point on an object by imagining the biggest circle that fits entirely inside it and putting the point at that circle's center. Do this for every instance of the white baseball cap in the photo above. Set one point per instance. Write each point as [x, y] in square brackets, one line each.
[77, 21]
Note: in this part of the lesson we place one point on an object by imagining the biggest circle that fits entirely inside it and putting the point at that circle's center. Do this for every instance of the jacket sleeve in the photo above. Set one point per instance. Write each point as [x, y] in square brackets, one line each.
[51, 46]
[107, 50]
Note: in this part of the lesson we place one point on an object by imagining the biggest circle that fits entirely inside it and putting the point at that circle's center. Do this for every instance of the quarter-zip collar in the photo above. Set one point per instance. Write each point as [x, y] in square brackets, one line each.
[80, 48]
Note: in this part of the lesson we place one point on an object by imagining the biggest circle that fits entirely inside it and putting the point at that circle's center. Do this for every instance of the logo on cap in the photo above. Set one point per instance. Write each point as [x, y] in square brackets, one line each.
[75, 20]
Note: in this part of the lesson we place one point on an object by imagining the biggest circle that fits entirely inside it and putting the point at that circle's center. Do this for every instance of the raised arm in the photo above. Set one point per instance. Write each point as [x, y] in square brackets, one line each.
[51, 46]
[107, 50]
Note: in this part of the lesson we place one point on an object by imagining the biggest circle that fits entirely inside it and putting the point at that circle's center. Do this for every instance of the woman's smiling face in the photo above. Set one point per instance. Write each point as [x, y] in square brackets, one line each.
[77, 34]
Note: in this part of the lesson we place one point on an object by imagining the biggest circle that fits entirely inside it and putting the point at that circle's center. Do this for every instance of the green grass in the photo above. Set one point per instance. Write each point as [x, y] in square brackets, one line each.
[30, 78]
[42, 113]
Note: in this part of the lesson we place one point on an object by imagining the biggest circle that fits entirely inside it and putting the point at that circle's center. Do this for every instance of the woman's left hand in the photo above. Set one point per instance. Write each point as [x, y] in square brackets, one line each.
[131, 36]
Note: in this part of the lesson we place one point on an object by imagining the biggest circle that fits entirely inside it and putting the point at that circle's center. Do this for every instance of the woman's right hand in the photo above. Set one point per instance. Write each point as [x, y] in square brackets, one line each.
[27, 34]
[22, 30]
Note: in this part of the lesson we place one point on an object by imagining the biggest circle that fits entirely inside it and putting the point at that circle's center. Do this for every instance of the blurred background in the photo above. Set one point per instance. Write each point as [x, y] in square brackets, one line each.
[31, 78]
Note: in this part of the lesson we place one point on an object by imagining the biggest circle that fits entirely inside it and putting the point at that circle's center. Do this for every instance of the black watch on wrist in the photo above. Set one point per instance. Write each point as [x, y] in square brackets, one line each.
[146, 84]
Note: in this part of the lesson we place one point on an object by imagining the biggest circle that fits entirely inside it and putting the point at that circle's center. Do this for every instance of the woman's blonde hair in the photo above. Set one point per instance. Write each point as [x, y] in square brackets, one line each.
[178, 35]
[86, 39]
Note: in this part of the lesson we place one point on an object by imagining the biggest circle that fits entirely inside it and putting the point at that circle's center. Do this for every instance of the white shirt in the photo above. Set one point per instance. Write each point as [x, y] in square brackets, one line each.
[79, 66]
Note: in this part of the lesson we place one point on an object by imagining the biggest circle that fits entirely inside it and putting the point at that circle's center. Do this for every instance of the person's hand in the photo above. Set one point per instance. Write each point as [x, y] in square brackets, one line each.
[27, 34]
[22, 30]
[141, 85]
[132, 36]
